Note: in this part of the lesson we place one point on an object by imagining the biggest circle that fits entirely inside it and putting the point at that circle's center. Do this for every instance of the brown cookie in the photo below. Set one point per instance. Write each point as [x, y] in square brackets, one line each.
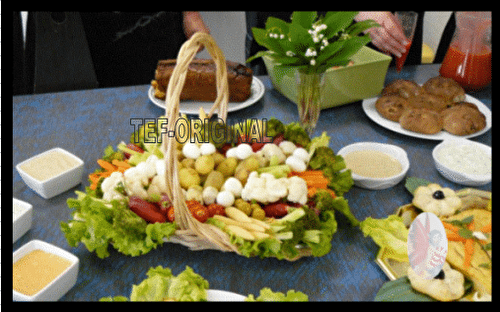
[427, 101]
[422, 121]
[446, 88]
[391, 106]
[404, 88]
[463, 119]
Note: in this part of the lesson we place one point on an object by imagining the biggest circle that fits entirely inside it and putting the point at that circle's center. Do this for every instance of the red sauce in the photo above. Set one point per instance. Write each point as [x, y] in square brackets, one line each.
[471, 71]
[400, 61]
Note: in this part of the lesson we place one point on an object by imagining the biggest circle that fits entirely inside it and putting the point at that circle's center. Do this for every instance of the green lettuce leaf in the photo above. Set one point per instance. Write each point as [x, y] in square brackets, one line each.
[162, 285]
[267, 295]
[97, 224]
[389, 233]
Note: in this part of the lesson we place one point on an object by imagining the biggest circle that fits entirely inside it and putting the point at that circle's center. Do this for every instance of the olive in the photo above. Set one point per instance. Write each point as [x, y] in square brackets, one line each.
[438, 194]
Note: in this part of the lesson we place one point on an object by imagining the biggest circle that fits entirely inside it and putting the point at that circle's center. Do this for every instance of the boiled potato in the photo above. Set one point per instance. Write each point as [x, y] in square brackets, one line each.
[188, 177]
[204, 164]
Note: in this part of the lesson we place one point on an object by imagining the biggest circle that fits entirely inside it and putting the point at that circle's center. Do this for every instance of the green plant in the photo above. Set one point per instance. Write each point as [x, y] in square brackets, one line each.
[311, 42]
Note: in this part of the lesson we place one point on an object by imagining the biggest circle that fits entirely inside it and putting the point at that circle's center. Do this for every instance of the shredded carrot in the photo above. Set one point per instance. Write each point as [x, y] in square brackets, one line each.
[109, 168]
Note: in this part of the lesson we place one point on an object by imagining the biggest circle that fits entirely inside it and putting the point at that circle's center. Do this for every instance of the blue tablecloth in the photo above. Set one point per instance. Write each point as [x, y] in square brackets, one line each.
[85, 122]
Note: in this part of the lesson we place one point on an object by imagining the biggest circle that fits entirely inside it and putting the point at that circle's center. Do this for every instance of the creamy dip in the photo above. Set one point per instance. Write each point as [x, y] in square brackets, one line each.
[372, 164]
[465, 158]
[49, 165]
[36, 270]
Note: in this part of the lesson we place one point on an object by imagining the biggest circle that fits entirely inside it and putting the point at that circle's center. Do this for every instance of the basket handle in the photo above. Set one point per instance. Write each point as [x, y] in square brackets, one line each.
[189, 49]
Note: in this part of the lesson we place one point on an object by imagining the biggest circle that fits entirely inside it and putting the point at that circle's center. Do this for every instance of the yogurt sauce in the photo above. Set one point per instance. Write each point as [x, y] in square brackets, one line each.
[465, 158]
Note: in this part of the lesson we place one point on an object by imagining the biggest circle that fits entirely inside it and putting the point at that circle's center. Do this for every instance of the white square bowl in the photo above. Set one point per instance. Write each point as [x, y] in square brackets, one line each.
[61, 284]
[22, 218]
[56, 184]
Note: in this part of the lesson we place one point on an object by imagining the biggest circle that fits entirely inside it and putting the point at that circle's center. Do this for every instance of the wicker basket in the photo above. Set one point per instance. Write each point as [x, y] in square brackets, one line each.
[191, 232]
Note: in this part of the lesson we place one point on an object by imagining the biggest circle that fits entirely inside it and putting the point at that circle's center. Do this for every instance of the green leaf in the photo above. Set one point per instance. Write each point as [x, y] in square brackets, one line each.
[337, 21]
[465, 233]
[304, 18]
[357, 28]
[273, 22]
[413, 183]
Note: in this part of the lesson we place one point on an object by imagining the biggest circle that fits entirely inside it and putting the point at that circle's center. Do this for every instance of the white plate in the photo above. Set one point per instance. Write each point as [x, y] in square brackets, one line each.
[372, 113]
[222, 295]
[193, 107]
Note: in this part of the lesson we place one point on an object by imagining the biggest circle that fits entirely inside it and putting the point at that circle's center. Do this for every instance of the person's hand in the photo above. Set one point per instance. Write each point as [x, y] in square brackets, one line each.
[389, 38]
[193, 22]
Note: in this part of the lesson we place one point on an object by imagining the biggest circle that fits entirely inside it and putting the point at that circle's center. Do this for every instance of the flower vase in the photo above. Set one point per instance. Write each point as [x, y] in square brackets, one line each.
[309, 98]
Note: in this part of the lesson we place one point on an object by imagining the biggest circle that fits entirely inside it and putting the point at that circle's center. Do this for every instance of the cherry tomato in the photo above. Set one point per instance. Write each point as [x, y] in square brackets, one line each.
[200, 214]
[215, 209]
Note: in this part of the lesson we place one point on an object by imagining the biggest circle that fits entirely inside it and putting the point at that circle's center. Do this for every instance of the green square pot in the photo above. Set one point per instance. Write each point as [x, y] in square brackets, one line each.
[364, 79]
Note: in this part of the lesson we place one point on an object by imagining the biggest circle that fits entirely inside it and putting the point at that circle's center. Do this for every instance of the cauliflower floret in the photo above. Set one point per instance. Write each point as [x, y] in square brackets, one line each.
[109, 185]
[157, 187]
[264, 189]
[136, 178]
[297, 190]
[269, 150]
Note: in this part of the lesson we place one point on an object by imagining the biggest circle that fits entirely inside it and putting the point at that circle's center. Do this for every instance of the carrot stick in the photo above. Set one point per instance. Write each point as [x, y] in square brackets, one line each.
[450, 227]
[120, 163]
[486, 228]
[469, 251]
[106, 165]
[454, 237]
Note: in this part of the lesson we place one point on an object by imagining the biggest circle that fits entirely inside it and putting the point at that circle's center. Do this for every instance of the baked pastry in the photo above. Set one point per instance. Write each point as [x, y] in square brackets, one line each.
[463, 119]
[404, 88]
[391, 106]
[200, 82]
[427, 101]
[446, 88]
[421, 120]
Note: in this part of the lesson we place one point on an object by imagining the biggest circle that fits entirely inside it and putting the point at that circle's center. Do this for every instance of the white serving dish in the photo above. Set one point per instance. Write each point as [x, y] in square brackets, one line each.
[457, 176]
[222, 295]
[22, 218]
[378, 183]
[61, 284]
[57, 184]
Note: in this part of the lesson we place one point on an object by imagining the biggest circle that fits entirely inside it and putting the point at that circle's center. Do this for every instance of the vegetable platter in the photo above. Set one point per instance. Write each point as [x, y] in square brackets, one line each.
[271, 191]
[466, 274]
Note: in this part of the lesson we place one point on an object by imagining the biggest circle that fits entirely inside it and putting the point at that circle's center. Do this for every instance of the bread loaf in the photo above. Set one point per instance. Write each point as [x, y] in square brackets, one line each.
[200, 82]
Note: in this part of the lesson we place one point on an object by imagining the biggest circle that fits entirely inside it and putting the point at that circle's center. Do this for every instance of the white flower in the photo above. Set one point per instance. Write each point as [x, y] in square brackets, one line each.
[313, 62]
[310, 52]
[290, 53]
[282, 36]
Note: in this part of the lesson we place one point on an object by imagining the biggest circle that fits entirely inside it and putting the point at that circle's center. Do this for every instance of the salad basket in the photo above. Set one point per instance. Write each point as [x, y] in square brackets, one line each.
[141, 197]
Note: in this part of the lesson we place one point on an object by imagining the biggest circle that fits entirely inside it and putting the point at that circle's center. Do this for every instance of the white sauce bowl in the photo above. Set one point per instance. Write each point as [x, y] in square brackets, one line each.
[378, 183]
[459, 176]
